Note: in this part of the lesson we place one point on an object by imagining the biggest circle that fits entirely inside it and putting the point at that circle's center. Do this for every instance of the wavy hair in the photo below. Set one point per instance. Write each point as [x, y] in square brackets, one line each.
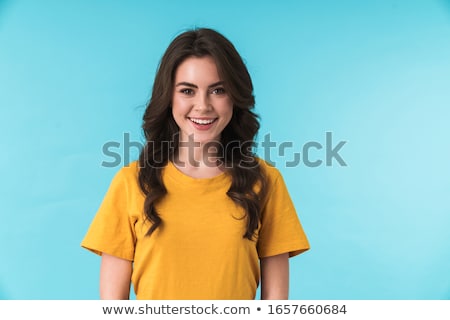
[248, 186]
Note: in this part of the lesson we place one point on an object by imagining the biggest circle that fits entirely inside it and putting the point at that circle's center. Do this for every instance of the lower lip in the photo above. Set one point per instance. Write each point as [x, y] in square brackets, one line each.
[202, 127]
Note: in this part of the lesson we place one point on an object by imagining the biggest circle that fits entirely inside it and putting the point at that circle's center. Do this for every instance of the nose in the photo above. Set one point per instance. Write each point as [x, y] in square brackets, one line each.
[202, 103]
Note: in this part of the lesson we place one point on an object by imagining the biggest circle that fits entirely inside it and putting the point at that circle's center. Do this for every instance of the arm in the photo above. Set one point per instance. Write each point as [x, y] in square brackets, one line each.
[115, 278]
[275, 277]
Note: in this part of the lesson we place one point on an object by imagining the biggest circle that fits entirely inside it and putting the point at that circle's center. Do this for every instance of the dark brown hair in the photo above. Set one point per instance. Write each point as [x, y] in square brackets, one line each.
[248, 184]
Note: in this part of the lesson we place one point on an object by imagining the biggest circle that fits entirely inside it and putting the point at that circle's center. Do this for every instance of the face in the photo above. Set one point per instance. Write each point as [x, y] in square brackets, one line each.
[200, 105]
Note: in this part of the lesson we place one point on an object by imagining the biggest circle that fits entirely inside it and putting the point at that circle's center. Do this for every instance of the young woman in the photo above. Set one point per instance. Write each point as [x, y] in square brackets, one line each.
[199, 216]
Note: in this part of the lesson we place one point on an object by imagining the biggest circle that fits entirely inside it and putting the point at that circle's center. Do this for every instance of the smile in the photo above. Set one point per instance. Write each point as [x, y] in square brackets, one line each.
[202, 121]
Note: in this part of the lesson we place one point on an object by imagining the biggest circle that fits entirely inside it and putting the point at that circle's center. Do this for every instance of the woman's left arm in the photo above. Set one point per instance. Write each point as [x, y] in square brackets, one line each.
[275, 277]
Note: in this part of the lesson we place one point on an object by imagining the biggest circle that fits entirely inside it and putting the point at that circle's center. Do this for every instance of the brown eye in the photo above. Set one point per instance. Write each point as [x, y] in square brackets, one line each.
[187, 91]
[218, 91]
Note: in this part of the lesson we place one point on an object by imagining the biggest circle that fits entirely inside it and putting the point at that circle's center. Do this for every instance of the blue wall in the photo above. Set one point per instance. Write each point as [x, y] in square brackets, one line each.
[376, 74]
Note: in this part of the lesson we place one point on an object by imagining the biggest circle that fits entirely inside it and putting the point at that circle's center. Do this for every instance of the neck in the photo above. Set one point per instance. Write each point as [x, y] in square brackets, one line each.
[196, 154]
[198, 160]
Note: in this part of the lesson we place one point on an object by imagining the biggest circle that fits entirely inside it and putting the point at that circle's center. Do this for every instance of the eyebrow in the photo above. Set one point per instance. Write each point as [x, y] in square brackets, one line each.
[188, 84]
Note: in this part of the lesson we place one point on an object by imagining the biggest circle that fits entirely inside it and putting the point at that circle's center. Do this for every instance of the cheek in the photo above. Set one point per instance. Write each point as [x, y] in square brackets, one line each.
[223, 105]
[178, 106]
[227, 109]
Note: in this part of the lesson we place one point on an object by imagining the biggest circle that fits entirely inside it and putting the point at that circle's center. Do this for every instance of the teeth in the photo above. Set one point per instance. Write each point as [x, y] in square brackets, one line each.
[202, 121]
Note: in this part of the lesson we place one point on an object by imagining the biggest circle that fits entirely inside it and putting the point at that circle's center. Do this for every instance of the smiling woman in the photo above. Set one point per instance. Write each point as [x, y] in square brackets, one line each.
[201, 219]
[202, 110]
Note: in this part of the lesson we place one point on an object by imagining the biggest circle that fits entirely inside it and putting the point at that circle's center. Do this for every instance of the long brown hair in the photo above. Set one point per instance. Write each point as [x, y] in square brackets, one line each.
[237, 139]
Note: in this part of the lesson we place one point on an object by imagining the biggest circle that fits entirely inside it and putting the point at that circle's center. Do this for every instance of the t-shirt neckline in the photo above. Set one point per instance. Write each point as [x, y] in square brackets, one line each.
[172, 171]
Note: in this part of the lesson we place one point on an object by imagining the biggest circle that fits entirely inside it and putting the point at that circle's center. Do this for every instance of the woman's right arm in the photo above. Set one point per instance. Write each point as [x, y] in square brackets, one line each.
[115, 278]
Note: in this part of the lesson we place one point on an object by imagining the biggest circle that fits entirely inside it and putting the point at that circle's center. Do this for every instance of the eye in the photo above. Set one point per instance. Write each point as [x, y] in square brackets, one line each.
[187, 91]
[219, 90]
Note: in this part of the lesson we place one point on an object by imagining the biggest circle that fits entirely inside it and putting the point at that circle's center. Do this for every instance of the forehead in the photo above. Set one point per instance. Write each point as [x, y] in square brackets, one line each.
[197, 69]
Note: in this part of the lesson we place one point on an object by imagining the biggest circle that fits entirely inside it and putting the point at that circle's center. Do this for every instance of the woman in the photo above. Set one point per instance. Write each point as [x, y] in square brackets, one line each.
[199, 216]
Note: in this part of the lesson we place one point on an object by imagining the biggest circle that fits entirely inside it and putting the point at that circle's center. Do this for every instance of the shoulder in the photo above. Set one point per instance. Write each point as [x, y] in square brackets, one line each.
[270, 171]
[127, 175]
[130, 170]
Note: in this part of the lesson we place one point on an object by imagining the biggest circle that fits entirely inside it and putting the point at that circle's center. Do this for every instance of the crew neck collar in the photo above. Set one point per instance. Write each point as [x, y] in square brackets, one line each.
[172, 171]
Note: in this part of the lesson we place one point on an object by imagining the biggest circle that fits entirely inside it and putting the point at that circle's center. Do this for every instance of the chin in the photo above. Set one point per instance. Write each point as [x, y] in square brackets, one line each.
[206, 139]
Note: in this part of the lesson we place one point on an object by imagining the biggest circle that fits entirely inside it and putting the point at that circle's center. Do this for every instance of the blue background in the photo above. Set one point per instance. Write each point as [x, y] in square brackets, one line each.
[77, 74]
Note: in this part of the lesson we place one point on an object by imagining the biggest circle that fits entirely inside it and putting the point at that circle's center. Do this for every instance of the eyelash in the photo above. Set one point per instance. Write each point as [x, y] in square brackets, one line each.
[187, 91]
[220, 91]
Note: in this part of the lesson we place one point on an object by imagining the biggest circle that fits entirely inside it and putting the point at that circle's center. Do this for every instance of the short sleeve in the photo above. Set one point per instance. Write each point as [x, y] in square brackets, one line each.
[281, 230]
[112, 229]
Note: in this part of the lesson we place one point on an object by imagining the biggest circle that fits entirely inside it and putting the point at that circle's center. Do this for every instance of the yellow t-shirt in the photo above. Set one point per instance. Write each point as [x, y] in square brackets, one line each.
[199, 252]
